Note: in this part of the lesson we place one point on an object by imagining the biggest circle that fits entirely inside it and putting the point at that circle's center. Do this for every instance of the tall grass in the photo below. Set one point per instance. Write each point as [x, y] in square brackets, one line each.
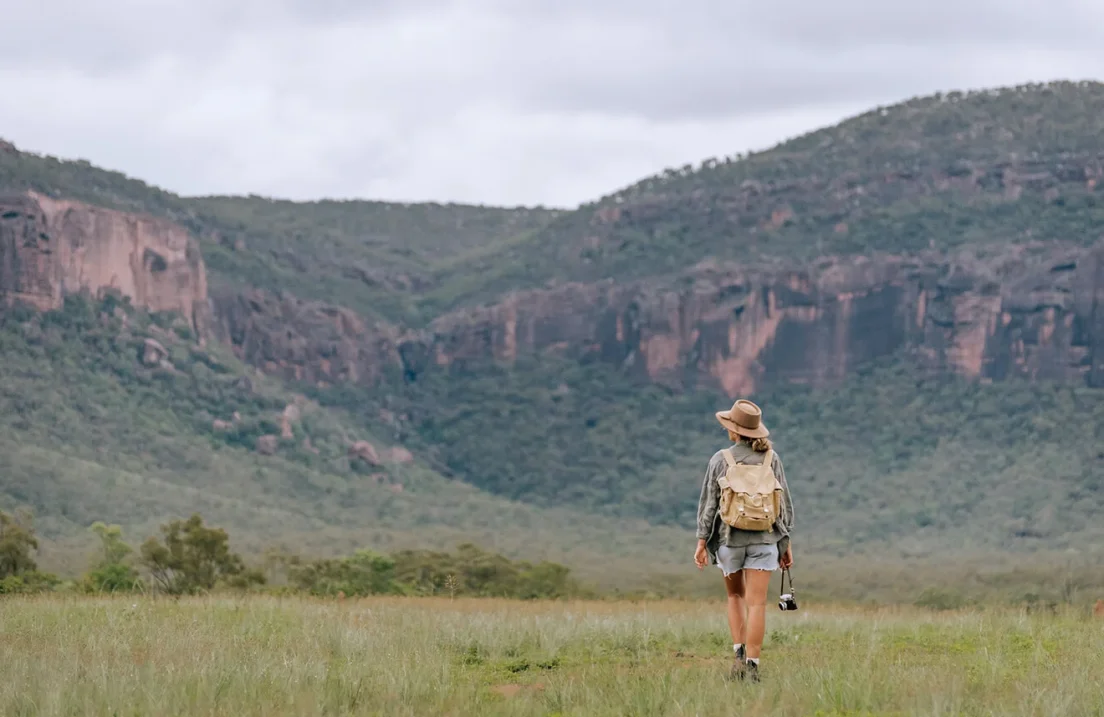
[266, 656]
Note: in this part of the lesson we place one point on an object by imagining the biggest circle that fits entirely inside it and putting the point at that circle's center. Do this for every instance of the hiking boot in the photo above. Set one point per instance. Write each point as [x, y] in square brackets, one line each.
[751, 672]
[738, 670]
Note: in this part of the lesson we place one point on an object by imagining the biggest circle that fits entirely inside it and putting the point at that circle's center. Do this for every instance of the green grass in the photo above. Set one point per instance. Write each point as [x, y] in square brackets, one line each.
[259, 656]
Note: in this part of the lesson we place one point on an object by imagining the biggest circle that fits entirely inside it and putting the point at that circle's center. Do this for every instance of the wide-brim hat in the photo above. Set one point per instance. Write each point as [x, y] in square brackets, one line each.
[744, 419]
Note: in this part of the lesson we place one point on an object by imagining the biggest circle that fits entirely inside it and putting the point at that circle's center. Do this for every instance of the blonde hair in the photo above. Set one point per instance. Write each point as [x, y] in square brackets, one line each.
[759, 445]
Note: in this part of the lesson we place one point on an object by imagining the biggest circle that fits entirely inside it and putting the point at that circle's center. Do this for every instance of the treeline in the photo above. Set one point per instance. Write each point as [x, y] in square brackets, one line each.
[191, 558]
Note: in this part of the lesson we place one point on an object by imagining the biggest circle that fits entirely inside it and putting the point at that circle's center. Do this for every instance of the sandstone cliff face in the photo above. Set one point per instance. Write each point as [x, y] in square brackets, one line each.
[51, 248]
[1032, 311]
[1035, 312]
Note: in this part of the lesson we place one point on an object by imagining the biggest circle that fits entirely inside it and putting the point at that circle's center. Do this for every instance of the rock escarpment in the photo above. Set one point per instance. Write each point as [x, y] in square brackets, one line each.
[51, 248]
[1032, 311]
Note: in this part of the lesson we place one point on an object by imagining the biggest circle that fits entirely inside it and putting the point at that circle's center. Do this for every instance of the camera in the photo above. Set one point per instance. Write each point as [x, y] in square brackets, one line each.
[787, 600]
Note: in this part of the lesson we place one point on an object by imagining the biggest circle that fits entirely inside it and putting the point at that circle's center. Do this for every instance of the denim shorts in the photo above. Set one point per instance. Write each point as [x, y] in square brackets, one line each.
[753, 557]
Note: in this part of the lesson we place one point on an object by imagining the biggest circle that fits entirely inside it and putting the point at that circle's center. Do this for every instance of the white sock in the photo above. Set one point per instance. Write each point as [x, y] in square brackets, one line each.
[736, 647]
[753, 660]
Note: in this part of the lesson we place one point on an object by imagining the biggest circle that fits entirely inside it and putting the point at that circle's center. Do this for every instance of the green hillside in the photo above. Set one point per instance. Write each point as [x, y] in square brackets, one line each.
[922, 466]
[88, 432]
[373, 257]
[924, 461]
[928, 172]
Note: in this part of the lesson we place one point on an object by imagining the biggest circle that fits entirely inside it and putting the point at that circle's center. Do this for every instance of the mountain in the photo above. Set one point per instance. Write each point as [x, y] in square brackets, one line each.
[373, 257]
[913, 295]
[953, 170]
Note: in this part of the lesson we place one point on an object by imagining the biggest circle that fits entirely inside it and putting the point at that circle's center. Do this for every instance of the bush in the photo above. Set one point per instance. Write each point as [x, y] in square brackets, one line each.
[363, 573]
[470, 571]
[28, 583]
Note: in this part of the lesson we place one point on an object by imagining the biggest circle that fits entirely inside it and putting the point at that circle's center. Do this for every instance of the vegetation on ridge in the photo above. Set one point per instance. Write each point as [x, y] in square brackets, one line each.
[939, 172]
[373, 257]
[928, 172]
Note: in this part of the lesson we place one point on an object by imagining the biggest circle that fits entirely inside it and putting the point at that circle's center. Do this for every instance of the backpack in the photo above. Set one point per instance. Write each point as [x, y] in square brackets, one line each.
[751, 496]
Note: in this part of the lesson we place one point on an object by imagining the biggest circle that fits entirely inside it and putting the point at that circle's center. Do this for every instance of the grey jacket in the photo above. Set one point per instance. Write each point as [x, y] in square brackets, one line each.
[715, 532]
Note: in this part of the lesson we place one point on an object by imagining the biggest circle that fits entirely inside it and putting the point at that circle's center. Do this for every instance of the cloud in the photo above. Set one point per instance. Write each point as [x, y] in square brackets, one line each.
[495, 101]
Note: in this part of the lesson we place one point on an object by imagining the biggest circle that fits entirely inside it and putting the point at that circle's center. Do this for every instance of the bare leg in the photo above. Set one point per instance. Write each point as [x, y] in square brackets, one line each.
[737, 608]
[755, 584]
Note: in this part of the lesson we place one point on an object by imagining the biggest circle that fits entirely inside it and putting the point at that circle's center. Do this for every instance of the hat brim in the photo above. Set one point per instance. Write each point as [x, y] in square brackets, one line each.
[725, 419]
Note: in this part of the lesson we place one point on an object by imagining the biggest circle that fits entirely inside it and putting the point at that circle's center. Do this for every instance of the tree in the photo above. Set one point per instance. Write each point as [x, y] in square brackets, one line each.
[17, 544]
[18, 570]
[112, 571]
[195, 558]
[112, 546]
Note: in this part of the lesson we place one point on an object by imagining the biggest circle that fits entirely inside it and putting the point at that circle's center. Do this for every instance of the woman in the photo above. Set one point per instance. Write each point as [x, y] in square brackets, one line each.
[747, 558]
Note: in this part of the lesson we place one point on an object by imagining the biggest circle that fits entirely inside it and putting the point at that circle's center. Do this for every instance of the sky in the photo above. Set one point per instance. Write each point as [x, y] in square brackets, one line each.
[506, 102]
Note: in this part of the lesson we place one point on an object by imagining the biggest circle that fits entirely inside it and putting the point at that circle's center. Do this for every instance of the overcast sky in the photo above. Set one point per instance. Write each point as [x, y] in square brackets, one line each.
[491, 101]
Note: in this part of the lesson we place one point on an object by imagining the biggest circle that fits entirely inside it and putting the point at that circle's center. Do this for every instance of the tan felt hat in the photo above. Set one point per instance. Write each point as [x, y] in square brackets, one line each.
[745, 419]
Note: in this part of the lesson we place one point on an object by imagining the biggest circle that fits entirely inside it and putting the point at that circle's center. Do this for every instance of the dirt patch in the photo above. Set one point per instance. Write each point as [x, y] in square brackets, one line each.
[690, 658]
[513, 690]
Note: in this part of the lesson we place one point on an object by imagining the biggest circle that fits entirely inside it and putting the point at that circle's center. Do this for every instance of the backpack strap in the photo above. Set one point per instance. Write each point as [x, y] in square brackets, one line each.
[722, 479]
[769, 462]
[729, 458]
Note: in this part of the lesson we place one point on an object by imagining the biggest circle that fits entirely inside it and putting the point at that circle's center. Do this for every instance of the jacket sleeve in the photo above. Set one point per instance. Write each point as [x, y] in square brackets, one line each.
[787, 499]
[708, 503]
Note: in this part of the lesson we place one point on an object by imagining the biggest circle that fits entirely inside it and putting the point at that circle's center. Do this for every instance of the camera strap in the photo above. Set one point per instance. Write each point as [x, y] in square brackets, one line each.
[782, 585]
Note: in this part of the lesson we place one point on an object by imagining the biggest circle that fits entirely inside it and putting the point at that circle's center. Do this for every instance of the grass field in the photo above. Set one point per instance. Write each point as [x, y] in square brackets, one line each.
[270, 656]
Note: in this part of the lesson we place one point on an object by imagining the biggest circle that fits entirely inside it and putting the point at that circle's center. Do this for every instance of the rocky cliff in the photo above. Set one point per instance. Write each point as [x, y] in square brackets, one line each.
[1030, 310]
[957, 228]
[1033, 311]
[50, 248]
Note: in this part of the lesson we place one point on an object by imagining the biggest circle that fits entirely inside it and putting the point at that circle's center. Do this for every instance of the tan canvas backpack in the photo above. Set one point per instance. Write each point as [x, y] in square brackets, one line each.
[751, 496]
